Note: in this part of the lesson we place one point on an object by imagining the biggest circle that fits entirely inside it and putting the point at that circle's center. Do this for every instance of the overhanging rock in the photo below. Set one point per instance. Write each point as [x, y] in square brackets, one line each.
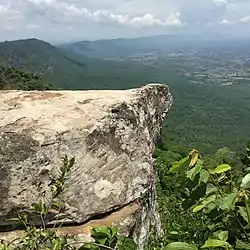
[111, 134]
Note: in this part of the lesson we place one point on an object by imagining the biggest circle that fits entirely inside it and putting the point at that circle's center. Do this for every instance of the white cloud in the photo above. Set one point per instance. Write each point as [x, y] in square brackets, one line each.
[106, 16]
[3, 9]
[221, 2]
[225, 21]
[9, 18]
[7, 12]
[146, 20]
[150, 20]
[32, 26]
[113, 18]
[42, 1]
[245, 19]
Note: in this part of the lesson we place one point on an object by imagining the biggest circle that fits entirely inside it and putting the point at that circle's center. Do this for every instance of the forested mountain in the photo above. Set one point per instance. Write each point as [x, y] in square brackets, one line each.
[126, 47]
[122, 47]
[40, 57]
[34, 55]
[68, 70]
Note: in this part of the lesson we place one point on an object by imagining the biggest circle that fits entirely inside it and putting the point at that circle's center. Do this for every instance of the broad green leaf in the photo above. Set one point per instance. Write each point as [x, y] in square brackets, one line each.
[100, 238]
[211, 243]
[210, 189]
[204, 176]
[246, 169]
[243, 213]
[204, 203]
[101, 234]
[240, 245]
[180, 246]
[211, 225]
[221, 169]
[221, 235]
[127, 244]
[209, 199]
[247, 210]
[89, 246]
[198, 208]
[193, 156]
[103, 230]
[177, 165]
[195, 170]
[227, 203]
[211, 206]
[245, 183]
[113, 231]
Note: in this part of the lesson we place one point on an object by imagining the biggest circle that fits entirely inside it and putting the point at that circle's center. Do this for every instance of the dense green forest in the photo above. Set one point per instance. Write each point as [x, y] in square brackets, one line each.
[36, 56]
[203, 200]
[12, 78]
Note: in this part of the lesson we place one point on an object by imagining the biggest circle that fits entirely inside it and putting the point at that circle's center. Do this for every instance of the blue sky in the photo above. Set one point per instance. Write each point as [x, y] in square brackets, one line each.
[67, 20]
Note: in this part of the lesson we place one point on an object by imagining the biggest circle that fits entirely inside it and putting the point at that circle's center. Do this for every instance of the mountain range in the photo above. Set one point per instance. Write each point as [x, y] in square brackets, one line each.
[67, 69]
[122, 47]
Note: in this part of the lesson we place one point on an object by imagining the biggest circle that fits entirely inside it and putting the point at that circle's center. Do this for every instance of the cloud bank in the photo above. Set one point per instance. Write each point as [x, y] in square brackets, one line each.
[91, 19]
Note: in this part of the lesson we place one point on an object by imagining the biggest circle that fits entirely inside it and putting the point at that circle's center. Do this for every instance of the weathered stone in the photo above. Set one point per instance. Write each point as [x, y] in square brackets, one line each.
[111, 134]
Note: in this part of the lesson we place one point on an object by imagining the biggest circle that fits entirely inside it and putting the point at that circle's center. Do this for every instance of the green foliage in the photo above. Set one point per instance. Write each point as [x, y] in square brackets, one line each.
[180, 246]
[108, 238]
[12, 78]
[214, 243]
[57, 184]
[208, 197]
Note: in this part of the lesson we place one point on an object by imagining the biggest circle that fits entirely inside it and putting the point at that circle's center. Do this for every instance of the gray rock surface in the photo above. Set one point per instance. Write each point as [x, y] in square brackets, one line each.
[111, 134]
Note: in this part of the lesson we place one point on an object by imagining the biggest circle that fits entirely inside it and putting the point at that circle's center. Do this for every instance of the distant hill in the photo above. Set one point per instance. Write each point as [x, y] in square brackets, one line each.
[104, 48]
[68, 70]
[117, 47]
[121, 47]
[31, 55]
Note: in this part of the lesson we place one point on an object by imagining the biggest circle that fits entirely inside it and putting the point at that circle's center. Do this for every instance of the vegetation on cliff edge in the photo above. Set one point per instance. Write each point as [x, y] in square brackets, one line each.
[12, 78]
[203, 200]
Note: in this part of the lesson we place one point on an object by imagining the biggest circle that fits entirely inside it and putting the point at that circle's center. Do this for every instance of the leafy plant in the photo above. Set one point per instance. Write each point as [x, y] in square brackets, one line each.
[108, 238]
[218, 197]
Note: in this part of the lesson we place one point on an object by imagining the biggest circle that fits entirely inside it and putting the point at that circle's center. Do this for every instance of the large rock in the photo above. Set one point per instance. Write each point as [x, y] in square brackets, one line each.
[111, 134]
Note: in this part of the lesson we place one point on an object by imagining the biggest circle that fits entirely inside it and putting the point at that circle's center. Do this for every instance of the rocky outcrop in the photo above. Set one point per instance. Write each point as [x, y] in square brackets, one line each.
[111, 134]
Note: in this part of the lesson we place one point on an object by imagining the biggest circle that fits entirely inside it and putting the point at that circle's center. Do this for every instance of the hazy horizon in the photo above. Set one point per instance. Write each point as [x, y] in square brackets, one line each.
[203, 36]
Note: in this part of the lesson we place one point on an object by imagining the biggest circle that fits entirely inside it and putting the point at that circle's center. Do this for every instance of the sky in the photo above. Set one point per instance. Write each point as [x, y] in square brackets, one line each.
[71, 20]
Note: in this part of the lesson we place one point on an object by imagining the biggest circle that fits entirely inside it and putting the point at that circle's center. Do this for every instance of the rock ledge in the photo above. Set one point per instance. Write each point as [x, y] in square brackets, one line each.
[111, 134]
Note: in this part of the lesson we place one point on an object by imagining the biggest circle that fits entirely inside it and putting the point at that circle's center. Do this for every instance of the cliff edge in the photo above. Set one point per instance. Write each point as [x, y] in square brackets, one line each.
[112, 136]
